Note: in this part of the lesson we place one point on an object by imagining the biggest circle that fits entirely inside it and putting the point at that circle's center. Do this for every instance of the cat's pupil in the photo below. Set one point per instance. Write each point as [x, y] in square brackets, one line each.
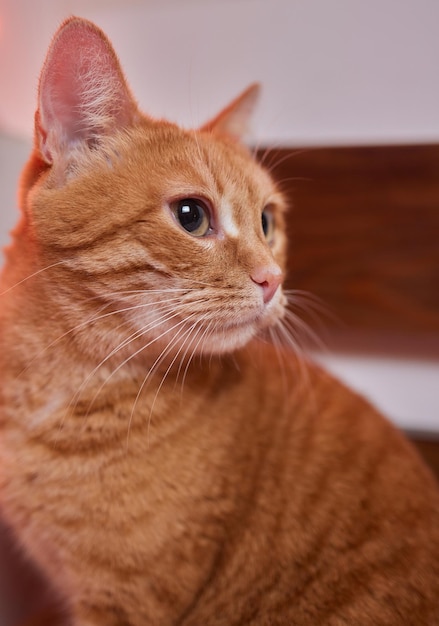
[191, 215]
[265, 223]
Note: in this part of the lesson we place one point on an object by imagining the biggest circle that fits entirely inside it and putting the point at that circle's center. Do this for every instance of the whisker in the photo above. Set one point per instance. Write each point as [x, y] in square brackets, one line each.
[152, 369]
[280, 357]
[316, 310]
[187, 339]
[274, 164]
[186, 369]
[133, 337]
[296, 324]
[94, 319]
[183, 359]
[40, 271]
[287, 338]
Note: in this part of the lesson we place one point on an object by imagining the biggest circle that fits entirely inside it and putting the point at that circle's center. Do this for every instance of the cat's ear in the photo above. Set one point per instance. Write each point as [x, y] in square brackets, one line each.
[82, 94]
[234, 120]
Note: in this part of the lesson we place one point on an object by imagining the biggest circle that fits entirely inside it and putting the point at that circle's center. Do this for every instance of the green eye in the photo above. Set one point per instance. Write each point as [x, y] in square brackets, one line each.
[267, 221]
[192, 215]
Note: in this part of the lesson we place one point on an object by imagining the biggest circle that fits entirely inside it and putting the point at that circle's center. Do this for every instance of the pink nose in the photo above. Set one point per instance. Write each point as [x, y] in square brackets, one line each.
[268, 278]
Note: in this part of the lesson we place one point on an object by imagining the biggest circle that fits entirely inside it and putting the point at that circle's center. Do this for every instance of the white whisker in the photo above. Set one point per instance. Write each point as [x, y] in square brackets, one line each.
[40, 271]
[133, 337]
[202, 337]
[153, 368]
[97, 318]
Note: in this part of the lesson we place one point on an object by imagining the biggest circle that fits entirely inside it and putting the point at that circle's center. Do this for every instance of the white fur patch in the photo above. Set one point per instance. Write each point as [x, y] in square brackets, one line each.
[53, 405]
[227, 220]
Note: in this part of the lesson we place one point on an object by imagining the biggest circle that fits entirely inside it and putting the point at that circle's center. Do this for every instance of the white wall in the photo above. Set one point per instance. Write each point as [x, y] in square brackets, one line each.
[334, 71]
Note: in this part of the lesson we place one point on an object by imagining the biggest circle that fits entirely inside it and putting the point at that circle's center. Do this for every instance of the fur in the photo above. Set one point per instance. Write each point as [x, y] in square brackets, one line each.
[160, 461]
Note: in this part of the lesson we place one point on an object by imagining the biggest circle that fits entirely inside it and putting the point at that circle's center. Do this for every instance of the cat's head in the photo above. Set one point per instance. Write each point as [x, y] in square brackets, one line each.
[176, 235]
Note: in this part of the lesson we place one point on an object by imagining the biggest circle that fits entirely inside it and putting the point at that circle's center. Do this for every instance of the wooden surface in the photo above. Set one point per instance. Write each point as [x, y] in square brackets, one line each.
[429, 450]
[364, 232]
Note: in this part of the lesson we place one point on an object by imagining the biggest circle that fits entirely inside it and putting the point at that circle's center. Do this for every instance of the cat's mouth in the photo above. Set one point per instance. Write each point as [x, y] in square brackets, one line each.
[261, 316]
[232, 333]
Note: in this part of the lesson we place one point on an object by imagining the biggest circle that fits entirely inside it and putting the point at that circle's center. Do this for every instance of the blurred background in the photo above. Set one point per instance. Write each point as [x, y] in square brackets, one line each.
[350, 112]
[335, 73]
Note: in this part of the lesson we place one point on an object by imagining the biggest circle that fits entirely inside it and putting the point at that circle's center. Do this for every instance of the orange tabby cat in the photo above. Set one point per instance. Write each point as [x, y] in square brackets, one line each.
[158, 462]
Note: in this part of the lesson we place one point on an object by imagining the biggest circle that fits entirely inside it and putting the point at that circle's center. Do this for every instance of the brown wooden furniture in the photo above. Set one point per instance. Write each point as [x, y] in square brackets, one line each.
[364, 233]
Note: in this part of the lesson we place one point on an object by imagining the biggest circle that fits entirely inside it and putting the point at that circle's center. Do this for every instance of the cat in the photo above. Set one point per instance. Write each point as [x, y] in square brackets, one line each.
[164, 459]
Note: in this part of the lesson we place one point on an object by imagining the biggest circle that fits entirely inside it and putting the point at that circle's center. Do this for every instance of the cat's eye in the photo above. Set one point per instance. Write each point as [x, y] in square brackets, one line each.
[267, 221]
[192, 215]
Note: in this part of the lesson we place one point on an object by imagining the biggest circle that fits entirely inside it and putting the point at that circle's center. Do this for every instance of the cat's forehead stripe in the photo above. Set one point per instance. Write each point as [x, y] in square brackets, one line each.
[227, 220]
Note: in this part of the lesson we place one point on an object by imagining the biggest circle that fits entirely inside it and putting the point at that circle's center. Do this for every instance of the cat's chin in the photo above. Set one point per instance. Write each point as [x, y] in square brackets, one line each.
[228, 340]
[231, 337]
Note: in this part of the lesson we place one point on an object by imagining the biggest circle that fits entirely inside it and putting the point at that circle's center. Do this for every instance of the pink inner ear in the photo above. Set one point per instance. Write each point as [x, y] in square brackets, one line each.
[83, 93]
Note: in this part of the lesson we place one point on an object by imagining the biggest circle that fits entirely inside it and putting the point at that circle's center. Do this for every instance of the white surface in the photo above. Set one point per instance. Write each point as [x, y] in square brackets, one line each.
[338, 71]
[407, 391]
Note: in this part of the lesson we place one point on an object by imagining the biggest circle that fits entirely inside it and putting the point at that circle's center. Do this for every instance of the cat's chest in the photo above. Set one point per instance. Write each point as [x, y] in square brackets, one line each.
[121, 455]
[134, 506]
